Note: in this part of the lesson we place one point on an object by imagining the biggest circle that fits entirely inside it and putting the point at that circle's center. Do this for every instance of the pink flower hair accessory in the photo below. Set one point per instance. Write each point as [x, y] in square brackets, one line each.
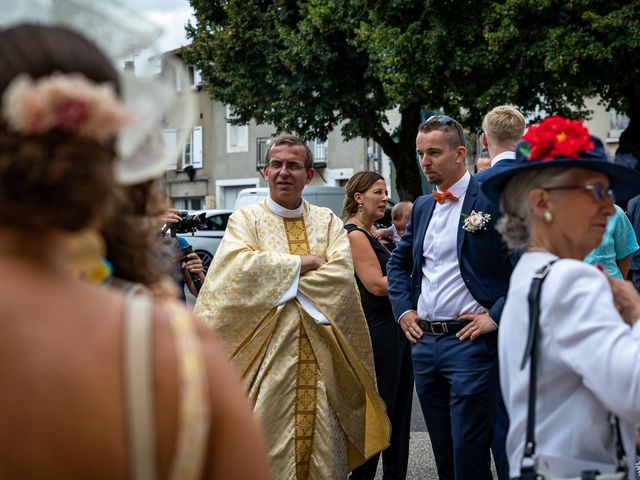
[66, 102]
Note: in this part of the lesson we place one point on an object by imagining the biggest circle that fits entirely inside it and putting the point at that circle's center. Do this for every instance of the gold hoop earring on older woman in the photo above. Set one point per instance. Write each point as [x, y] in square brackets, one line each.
[547, 216]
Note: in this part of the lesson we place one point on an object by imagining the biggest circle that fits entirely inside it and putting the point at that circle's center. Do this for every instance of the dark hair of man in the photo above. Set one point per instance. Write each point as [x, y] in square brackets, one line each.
[291, 140]
[450, 127]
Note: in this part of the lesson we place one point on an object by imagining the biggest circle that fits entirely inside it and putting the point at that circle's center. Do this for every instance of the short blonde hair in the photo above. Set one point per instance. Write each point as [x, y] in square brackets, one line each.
[503, 125]
[401, 210]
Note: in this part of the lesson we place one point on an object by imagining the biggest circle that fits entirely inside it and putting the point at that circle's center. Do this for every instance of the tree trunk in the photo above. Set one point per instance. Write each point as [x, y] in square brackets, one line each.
[630, 138]
[408, 175]
[403, 153]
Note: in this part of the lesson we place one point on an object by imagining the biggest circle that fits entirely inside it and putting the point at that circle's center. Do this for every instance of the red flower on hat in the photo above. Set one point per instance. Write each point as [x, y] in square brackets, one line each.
[557, 137]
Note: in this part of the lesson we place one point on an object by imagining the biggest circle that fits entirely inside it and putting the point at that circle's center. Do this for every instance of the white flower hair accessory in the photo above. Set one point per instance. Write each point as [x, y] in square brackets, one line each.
[162, 115]
[66, 102]
[475, 221]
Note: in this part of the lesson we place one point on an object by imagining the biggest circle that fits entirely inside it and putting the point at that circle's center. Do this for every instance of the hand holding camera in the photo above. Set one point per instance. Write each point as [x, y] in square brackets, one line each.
[181, 221]
[188, 262]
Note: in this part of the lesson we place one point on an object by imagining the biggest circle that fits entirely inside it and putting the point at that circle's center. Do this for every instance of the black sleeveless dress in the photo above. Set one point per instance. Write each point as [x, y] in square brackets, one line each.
[394, 372]
[374, 306]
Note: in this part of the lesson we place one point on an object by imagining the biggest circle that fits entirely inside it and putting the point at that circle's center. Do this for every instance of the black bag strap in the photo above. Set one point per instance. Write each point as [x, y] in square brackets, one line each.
[620, 455]
[531, 351]
[527, 467]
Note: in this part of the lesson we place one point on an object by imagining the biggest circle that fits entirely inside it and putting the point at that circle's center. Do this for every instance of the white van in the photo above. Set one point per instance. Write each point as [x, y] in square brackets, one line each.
[249, 196]
[330, 197]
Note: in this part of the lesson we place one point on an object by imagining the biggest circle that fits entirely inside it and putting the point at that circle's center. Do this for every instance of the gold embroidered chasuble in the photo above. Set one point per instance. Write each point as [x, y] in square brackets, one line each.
[312, 385]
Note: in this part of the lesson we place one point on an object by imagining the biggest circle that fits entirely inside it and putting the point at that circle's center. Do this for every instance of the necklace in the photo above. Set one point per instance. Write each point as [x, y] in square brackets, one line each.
[358, 223]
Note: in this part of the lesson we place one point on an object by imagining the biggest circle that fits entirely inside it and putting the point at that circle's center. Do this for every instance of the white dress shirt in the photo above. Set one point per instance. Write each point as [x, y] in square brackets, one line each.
[588, 365]
[444, 294]
[292, 292]
[503, 156]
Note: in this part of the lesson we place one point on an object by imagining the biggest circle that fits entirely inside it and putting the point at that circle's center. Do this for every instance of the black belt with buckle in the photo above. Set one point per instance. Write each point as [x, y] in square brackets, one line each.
[444, 327]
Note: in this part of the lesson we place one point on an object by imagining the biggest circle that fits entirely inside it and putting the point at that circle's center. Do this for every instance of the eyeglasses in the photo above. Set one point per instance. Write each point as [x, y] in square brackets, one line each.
[448, 121]
[291, 166]
[596, 189]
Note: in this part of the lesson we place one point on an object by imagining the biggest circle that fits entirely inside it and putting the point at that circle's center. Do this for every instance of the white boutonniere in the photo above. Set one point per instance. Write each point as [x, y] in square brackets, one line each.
[475, 221]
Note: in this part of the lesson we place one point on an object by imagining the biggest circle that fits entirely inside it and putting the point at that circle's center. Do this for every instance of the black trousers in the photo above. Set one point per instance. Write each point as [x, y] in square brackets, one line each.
[394, 374]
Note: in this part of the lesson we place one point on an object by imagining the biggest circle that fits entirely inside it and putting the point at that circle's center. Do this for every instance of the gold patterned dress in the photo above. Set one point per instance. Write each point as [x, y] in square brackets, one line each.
[312, 384]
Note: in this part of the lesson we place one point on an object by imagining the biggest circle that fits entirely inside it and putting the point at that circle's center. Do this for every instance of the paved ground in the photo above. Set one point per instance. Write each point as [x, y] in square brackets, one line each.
[421, 462]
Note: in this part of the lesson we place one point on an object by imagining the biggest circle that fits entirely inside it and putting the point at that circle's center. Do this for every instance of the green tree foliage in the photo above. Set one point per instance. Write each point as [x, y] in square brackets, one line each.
[560, 52]
[309, 65]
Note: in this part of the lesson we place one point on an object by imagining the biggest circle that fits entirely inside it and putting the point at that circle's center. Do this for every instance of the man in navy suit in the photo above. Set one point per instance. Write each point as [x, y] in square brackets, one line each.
[502, 129]
[447, 281]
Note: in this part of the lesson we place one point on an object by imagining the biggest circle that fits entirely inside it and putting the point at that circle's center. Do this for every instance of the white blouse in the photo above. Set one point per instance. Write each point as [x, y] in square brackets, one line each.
[588, 364]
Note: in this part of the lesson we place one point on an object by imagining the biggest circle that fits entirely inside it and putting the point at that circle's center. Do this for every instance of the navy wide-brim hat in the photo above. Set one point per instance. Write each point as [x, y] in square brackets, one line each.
[624, 181]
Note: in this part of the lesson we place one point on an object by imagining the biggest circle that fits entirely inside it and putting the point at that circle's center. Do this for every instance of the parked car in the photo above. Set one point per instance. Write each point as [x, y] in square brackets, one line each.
[330, 197]
[207, 237]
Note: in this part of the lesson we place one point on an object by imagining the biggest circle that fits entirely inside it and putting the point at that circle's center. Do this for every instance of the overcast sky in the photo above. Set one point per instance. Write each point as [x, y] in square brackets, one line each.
[171, 15]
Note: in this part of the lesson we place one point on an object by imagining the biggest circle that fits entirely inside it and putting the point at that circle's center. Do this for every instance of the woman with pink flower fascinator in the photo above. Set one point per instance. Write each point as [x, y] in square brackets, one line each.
[569, 339]
[95, 383]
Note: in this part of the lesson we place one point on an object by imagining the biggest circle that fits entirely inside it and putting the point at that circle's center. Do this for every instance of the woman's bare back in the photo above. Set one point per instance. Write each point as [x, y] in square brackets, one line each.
[62, 402]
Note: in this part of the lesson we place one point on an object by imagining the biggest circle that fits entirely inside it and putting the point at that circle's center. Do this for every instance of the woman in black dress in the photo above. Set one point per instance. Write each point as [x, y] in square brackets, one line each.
[365, 202]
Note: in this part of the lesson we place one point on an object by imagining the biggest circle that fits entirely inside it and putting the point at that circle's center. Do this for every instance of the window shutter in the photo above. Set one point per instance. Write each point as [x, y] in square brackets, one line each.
[170, 139]
[196, 147]
[197, 77]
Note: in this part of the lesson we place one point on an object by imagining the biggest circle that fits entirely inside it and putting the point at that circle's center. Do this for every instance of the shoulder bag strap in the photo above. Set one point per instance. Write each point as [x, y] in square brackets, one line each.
[620, 454]
[531, 351]
[138, 364]
[528, 466]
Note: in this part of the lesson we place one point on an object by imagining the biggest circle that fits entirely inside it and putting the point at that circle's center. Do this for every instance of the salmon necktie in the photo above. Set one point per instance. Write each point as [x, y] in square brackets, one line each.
[444, 196]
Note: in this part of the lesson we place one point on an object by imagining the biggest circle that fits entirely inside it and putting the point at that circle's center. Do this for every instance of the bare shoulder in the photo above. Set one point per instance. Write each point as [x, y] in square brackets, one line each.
[357, 238]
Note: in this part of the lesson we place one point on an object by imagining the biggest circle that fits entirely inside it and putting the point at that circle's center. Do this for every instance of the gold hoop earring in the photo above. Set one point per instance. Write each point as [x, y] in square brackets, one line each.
[360, 207]
[547, 216]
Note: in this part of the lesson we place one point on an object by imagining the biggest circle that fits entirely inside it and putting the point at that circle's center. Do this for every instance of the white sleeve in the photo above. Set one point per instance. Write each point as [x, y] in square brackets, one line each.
[591, 337]
[291, 292]
[310, 308]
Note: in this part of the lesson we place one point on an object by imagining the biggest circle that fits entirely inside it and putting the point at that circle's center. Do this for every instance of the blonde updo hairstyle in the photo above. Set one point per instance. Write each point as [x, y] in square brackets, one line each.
[54, 180]
[358, 183]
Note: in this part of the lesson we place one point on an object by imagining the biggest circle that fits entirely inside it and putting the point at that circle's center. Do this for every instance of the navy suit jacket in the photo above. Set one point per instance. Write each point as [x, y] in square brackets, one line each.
[497, 168]
[485, 264]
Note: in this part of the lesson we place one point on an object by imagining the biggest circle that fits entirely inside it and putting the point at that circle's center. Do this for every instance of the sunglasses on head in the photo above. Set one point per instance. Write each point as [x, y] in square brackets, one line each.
[447, 121]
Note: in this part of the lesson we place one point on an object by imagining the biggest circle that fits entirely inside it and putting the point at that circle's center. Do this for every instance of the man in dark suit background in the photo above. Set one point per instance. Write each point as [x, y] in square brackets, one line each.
[502, 129]
[448, 279]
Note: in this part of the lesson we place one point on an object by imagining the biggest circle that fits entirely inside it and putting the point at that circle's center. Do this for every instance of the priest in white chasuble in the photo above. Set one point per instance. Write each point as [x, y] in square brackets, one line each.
[281, 293]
